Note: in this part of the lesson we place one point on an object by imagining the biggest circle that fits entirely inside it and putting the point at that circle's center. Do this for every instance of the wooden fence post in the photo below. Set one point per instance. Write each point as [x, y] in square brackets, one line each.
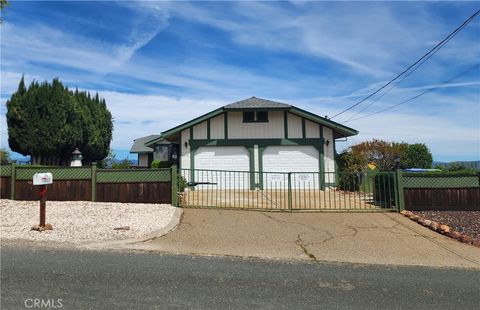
[94, 181]
[399, 189]
[13, 179]
[174, 181]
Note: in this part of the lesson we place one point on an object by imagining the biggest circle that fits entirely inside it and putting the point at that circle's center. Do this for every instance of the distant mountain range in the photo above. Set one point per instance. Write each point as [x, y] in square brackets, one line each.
[465, 164]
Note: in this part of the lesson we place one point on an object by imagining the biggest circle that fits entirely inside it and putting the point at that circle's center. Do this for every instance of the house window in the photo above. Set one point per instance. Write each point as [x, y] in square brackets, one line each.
[262, 116]
[248, 117]
[255, 117]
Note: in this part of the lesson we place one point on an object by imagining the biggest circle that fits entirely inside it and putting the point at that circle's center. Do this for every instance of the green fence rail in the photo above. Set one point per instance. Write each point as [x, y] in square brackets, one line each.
[441, 180]
[288, 191]
[5, 170]
[133, 176]
[58, 173]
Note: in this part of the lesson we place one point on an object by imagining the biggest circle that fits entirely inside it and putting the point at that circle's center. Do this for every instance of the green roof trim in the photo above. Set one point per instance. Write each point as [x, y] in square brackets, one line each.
[191, 123]
[339, 128]
[261, 104]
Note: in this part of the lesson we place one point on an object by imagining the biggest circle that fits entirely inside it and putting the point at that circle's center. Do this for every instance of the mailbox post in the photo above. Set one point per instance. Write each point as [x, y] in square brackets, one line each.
[42, 180]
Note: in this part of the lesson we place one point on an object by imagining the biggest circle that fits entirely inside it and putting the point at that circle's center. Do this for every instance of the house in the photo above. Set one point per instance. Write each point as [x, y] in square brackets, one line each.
[162, 150]
[253, 135]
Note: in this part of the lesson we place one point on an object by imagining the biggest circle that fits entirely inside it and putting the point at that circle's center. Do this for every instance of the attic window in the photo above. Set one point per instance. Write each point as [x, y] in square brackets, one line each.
[255, 117]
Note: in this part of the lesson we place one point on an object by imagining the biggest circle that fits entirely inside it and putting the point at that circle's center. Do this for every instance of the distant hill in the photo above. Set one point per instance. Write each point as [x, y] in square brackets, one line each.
[465, 164]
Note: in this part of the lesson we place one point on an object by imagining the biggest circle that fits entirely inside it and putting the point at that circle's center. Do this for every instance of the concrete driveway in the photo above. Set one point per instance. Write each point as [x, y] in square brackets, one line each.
[370, 238]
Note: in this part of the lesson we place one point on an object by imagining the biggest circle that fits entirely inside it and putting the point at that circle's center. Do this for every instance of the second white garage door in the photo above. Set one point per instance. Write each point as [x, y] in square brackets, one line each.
[298, 159]
[227, 158]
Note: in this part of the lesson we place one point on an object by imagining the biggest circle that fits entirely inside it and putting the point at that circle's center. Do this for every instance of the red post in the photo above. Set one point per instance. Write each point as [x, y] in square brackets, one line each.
[43, 196]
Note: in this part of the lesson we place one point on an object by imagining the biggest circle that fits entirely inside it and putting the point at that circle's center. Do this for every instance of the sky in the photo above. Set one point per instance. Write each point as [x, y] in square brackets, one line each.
[159, 64]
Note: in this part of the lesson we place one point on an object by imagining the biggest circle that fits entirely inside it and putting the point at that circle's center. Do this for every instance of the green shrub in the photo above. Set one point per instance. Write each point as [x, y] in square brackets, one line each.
[161, 164]
[182, 183]
[124, 164]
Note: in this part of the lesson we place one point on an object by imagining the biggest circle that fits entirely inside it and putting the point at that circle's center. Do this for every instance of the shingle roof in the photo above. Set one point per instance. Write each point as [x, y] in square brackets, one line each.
[139, 144]
[256, 103]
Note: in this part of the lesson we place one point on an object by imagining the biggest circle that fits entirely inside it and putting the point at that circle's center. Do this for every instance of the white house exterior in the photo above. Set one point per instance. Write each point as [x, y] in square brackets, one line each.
[256, 136]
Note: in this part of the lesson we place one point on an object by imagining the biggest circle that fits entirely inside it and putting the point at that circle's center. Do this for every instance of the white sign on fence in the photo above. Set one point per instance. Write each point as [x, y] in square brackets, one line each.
[42, 178]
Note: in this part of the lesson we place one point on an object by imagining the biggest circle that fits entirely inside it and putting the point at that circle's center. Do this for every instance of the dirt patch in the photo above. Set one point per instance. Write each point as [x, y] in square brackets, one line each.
[465, 222]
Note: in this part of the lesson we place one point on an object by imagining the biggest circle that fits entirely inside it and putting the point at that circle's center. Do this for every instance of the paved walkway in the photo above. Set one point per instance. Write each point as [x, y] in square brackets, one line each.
[371, 238]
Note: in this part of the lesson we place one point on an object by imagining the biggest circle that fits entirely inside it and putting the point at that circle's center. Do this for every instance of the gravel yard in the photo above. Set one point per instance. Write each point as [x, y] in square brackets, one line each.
[465, 222]
[81, 222]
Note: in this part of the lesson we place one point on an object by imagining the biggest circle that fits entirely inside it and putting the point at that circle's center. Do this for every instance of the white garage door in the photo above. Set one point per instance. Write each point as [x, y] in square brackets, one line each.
[223, 159]
[298, 159]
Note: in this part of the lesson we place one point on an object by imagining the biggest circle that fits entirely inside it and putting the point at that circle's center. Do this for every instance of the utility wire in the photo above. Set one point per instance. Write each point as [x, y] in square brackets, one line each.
[402, 79]
[427, 55]
[421, 94]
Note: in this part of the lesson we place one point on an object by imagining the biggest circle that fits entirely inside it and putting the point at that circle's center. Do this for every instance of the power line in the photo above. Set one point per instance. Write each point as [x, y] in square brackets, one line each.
[420, 61]
[419, 95]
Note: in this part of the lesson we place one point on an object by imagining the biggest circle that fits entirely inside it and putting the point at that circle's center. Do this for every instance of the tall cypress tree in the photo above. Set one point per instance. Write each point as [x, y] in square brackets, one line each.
[47, 121]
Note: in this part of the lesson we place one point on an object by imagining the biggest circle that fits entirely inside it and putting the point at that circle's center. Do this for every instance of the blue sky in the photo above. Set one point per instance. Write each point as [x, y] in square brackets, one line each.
[159, 64]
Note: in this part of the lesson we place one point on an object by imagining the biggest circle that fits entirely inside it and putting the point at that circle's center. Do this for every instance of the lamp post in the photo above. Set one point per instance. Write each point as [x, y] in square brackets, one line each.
[76, 158]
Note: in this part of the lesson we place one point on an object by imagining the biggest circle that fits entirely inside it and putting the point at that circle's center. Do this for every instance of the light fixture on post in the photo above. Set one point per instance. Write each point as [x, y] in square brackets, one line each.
[76, 158]
[327, 142]
[186, 144]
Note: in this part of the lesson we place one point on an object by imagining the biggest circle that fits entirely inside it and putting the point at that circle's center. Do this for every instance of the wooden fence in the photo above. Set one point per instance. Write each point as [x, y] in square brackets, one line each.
[90, 184]
[443, 192]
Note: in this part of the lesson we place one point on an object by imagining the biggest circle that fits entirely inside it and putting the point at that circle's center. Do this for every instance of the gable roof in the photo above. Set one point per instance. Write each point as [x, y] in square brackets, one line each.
[254, 103]
[139, 144]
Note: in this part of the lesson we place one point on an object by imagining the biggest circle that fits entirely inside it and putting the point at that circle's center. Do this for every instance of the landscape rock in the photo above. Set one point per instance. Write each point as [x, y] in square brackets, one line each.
[465, 239]
[434, 225]
[414, 217]
[476, 243]
[454, 235]
[444, 229]
[427, 222]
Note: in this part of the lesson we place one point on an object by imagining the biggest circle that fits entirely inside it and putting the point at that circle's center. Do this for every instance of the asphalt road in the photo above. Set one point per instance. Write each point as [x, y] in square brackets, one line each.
[65, 279]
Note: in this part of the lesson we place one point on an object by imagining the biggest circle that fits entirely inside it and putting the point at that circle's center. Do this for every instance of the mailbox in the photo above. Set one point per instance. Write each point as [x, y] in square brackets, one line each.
[42, 178]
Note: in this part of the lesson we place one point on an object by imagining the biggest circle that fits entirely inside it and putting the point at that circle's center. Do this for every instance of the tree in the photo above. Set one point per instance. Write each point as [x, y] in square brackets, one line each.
[47, 122]
[3, 4]
[383, 154]
[417, 156]
[4, 157]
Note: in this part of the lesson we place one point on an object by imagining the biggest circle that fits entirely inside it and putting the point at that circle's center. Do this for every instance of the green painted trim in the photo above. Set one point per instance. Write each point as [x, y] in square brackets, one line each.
[208, 129]
[193, 122]
[174, 180]
[225, 123]
[344, 131]
[315, 142]
[192, 156]
[285, 124]
[399, 189]
[321, 159]
[252, 166]
[94, 181]
[13, 180]
[304, 130]
[260, 165]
